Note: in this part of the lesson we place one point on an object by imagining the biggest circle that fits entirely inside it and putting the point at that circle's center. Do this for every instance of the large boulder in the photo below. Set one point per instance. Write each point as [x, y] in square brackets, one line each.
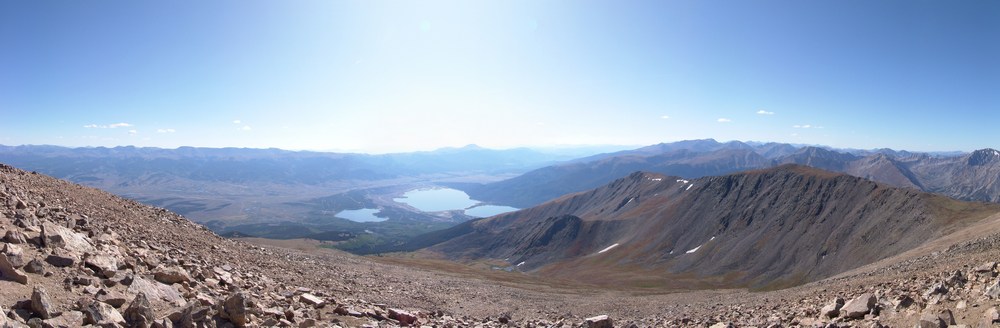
[104, 265]
[99, 313]
[313, 300]
[15, 255]
[402, 316]
[14, 237]
[154, 291]
[235, 308]
[858, 307]
[62, 259]
[993, 291]
[139, 312]
[40, 303]
[832, 310]
[601, 321]
[171, 275]
[54, 236]
[8, 272]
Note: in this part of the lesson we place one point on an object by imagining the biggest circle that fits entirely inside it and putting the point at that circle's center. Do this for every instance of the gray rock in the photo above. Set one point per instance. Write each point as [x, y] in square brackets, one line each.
[936, 289]
[15, 254]
[171, 275]
[832, 310]
[41, 305]
[235, 309]
[104, 265]
[98, 313]
[61, 259]
[113, 298]
[993, 291]
[192, 316]
[7, 271]
[154, 291]
[929, 320]
[14, 237]
[402, 316]
[858, 307]
[163, 323]
[987, 267]
[69, 319]
[946, 317]
[139, 312]
[601, 321]
[54, 236]
[313, 300]
[310, 322]
[34, 266]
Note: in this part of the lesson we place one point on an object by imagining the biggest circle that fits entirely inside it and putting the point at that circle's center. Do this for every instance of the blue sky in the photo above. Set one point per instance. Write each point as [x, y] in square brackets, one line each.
[381, 76]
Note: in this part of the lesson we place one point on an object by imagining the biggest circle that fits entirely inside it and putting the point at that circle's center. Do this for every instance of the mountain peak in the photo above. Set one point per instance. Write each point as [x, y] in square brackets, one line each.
[983, 156]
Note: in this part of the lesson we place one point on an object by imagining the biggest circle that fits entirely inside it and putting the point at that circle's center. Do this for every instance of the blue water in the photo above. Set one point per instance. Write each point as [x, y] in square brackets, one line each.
[436, 200]
[447, 199]
[488, 210]
[362, 215]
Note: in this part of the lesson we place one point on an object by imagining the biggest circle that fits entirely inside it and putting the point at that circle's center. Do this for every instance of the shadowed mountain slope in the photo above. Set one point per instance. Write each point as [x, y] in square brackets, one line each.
[763, 229]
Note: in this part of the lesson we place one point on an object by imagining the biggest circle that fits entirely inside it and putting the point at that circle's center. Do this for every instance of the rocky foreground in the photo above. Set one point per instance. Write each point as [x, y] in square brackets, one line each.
[73, 256]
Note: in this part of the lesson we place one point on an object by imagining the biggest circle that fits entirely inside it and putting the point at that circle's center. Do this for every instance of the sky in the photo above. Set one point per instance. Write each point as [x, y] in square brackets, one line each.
[395, 76]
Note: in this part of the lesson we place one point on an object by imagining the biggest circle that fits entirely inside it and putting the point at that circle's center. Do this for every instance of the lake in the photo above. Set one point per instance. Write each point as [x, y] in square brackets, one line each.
[447, 199]
[362, 215]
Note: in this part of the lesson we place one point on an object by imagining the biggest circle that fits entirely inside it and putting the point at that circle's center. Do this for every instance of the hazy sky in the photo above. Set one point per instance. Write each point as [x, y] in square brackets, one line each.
[380, 76]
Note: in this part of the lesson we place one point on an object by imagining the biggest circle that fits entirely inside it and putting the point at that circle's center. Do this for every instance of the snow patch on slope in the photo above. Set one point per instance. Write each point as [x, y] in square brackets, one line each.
[699, 246]
[608, 248]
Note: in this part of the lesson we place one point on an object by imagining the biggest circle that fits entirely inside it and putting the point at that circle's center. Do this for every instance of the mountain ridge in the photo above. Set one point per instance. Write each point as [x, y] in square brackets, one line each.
[953, 176]
[678, 226]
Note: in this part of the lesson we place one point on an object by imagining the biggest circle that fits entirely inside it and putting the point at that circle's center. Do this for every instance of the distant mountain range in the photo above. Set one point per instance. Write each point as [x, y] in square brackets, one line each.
[243, 165]
[770, 228]
[966, 176]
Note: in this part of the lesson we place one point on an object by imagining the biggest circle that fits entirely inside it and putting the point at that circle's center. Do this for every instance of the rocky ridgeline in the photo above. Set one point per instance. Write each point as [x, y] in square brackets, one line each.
[906, 294]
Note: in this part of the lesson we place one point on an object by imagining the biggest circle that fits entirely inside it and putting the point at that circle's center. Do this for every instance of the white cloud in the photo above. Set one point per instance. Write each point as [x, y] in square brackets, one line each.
[109, 126]
[165, 130]
[133, 132]
[806, 126]
[764, 112]
[237, 121]
[245, 128]
[665, 117]
[724, 120]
